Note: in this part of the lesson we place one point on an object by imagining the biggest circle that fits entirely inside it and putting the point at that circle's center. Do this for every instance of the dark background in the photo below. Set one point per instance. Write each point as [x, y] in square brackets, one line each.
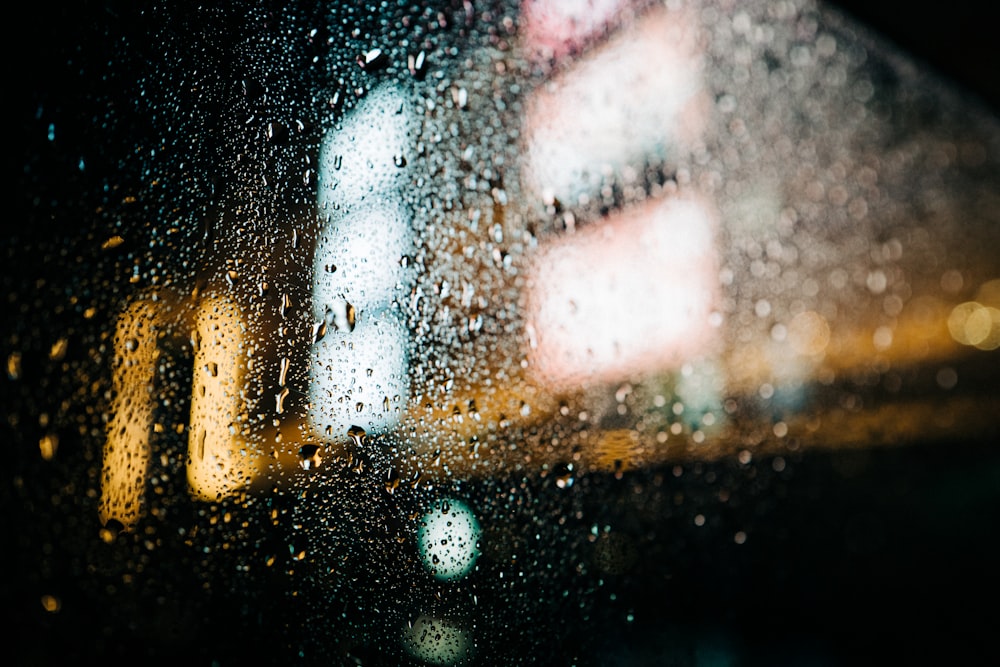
[953, 38]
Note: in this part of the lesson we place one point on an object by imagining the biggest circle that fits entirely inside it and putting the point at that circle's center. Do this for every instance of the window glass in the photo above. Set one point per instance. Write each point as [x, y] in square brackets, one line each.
[564, 333]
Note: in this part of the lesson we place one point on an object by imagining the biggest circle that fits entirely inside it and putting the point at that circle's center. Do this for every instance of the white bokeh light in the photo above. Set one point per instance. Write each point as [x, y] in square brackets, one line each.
[448, 539]
[358, 374]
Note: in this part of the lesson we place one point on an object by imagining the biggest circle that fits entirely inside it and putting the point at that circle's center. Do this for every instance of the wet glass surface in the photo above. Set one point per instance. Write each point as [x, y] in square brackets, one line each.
[519, 333]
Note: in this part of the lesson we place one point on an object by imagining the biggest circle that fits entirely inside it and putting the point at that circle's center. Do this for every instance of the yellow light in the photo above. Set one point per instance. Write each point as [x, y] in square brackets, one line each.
[48, 446]
[971, 323]
[217, 464]
[126, 450]
[988, 319]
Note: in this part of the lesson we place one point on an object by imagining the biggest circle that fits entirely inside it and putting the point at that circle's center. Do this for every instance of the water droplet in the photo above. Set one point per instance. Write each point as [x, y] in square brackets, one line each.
[112, 242]
[373, 59]
[564, 475]
[399, 161]
[341, 315]
[58, 349]
[14, 365]
[391, 481]
[357, 435]
[319, 330]
[276, 132]
[279, 400]
[310, 456]
[283, 375]
[48, 445]
[417, 64]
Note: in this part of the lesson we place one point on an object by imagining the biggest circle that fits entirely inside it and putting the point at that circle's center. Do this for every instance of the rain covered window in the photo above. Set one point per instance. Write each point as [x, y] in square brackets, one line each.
[611, 332]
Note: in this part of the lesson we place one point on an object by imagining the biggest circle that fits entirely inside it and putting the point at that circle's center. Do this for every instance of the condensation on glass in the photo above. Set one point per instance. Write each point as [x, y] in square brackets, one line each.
[382, 276]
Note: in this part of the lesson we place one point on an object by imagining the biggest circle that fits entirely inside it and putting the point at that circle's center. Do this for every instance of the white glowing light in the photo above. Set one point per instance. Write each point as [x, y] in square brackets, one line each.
[437, 641]
[579, 129]
[448, 540]
[362, 157]
[634, 295]
[553, 28]
[358, 374]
